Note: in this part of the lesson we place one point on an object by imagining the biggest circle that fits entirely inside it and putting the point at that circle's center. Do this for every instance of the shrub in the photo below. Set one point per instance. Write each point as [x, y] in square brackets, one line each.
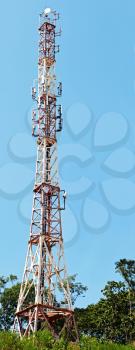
[9, 341]
[44, 340]
[60, 345]
[73, 346]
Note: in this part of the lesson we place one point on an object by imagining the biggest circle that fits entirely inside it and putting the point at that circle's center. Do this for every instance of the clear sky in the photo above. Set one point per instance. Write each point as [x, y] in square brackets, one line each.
[96, 148]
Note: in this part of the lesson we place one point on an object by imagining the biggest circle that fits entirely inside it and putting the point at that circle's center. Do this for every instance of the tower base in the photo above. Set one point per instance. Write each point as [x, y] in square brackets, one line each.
[59, 321]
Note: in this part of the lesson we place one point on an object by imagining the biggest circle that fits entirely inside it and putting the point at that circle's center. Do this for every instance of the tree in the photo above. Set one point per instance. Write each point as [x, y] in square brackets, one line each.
[12, 279]
[8, 301]
[108, 319]
[77, 289]
[9, 293]
[87, 322]
[3, 282]
[116, 312]
[126, 268]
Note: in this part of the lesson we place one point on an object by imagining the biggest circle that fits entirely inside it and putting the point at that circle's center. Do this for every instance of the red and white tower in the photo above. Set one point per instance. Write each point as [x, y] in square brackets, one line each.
[44, 299]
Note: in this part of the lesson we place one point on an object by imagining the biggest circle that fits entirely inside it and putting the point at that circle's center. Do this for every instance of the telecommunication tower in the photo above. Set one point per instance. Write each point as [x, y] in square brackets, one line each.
[45, 299]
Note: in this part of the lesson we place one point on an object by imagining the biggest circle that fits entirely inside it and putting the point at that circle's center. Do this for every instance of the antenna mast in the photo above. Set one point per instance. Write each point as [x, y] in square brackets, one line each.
[44, 300]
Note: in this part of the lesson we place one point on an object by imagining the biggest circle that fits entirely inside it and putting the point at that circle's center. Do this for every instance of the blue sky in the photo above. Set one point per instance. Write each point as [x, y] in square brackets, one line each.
[97, 67]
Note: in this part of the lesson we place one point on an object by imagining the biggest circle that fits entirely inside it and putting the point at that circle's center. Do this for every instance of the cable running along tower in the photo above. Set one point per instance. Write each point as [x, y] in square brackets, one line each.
[44, 299]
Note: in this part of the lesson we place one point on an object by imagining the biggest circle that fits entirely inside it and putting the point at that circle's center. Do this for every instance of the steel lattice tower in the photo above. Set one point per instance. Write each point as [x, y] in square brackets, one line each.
[45, 280]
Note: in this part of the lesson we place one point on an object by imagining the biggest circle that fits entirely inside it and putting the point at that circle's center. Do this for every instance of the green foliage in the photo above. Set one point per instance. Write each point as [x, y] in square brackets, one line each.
[8, 301]
[45, 341]
[73, 346]
[60, 344]
[9, 341]
[113, 317]
[77, 289]
[3, 282]
[109, 319]
[88, 343]
[12, 279]
[126, 268]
